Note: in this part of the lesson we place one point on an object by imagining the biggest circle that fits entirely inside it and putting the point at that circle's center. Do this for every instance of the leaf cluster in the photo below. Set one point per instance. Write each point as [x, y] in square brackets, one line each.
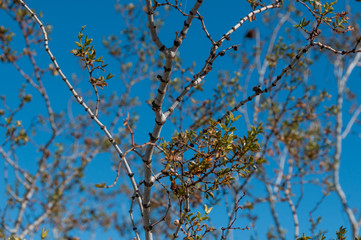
[87, 54]
[322, 11]
[211, 159]
[340, 234]
[196, 226]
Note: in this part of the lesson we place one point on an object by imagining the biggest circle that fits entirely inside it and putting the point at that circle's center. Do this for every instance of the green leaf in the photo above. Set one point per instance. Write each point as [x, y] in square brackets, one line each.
[80, 35]
[232, 129]
[78, 44]
[303, 237]
[109, 76]
[236, 118]
[88, 41]
[44, 233]
[100, 185]
[207, 210]
[231, 116]
[74, 51]
[99, 59]
[341, 233]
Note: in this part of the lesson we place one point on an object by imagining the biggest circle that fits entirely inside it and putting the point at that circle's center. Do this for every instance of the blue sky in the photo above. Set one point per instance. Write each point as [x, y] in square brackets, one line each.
[67, 18]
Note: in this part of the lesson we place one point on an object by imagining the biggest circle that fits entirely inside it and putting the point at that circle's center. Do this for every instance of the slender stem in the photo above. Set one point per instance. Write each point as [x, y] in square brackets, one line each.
[85, 106]
[341, 82]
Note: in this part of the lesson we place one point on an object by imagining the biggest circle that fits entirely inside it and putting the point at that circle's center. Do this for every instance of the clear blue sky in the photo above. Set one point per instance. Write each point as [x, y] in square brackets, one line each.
[100, 19]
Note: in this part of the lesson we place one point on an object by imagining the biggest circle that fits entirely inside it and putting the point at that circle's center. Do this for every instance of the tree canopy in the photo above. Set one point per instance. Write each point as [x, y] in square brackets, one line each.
[190, 119]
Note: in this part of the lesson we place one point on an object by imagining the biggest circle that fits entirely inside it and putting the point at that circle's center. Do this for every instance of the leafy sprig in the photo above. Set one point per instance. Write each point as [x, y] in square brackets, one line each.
[87, 55]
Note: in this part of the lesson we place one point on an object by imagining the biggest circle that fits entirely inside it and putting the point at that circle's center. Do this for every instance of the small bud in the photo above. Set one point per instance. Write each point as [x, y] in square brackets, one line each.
[250, 34]
[131, 6]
